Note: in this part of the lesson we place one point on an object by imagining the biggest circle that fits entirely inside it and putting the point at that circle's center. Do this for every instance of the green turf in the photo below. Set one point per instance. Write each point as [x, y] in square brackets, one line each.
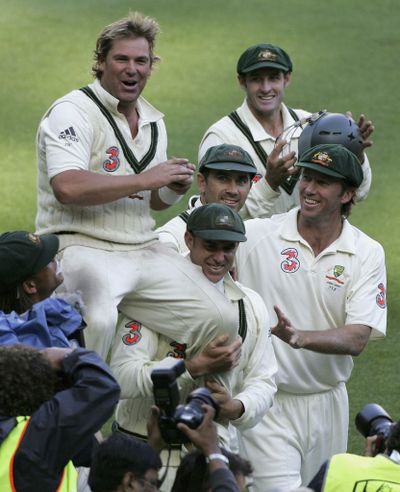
[345, 57]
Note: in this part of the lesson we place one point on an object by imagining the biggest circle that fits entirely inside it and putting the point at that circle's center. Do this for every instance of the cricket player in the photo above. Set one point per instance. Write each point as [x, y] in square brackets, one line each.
[225, 175]
[102, 156]
[326, 282]
[213, 235]
[263, 122]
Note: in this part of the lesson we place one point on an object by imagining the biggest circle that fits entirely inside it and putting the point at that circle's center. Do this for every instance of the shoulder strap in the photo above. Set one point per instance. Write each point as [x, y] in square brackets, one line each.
[184, 216]
[289, 184]
[262, 155]
[293, 114]
[242, 320]
[136, 165]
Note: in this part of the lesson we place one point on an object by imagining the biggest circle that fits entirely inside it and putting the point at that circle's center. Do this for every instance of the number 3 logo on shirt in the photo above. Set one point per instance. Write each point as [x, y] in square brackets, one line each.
[134, 335]
[112, 164]
[291, 264]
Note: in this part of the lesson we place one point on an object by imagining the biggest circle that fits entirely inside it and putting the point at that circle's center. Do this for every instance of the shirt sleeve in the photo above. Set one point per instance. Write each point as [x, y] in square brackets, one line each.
[136, 351]
[133, 358]
[363, 190]
[259, 388]
[223, 480]
[66, 137]
[260, 200]
[366, 302]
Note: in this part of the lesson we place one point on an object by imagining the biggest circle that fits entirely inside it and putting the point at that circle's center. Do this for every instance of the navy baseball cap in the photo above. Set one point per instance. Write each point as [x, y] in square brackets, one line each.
[333, 160]
[23, 254]
[228, 157]
[216, 222]
[264, 56]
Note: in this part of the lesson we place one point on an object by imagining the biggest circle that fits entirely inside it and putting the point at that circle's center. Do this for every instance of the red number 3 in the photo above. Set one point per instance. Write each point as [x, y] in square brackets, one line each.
[112, 164]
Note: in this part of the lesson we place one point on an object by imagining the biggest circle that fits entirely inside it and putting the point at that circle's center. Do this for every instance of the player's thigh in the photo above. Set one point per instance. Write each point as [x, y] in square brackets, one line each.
[274, 450]
[328, 415]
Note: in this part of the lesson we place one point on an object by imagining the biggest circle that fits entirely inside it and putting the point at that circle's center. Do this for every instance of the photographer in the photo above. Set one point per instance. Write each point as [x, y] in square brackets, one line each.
[122, 464]
[29, 274]
[205, 438]
[52, 402]
[344, 471]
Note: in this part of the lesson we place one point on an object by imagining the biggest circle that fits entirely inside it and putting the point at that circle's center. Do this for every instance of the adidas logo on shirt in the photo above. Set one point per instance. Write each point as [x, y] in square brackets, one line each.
[68, 134]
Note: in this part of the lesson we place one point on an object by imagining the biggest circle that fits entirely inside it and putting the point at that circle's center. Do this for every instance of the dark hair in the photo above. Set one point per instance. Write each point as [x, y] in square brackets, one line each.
[346, 207]
[27, 380]
[135, 25]
[193, 475]
[118, 455]
[393, 441]
[14, 299]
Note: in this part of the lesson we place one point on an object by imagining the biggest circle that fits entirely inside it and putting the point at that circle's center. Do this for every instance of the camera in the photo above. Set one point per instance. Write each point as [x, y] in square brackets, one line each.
[166, 396]
[374, 420]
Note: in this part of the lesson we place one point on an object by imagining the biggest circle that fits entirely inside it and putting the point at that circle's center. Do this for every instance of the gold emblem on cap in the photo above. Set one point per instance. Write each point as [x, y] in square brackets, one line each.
[34, 238]
[234, 154]
[321, 158]
[224, 221]
[267, 55]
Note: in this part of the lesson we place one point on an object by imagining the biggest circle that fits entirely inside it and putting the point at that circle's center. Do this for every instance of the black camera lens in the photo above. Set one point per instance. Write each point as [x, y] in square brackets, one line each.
[373, 420]
[192, 413]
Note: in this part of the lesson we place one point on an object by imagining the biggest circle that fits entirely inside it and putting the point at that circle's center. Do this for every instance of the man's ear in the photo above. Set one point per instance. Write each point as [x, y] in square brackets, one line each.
[189, 240]
[127, 484]
[288, 78]
[201, 183]
[29, 286]
[242, 81]
[348, 195]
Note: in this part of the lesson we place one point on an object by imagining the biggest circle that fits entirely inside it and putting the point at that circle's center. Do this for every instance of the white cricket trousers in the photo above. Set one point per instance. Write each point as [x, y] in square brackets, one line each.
[297, 435]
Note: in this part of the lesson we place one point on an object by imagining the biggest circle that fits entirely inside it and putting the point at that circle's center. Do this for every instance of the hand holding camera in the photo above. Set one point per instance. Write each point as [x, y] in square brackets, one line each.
[166, 396]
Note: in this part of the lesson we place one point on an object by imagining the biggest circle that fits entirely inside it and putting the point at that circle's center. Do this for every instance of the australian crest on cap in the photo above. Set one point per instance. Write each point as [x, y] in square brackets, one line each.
[224, 221]
[234, 154]
[321, 158]
[267, 55]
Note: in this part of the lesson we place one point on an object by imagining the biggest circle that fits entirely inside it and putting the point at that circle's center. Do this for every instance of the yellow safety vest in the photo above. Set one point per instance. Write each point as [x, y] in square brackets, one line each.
[349, 472]
[68, 482]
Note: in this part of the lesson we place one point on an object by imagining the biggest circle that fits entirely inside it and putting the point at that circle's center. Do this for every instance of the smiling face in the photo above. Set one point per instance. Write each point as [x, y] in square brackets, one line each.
[322, 196]
[214, 257]
[125, 69]
[265, 89]
[227, 187]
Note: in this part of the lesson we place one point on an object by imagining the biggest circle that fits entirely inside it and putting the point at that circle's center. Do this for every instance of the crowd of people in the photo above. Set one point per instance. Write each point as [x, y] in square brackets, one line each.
[262, 287]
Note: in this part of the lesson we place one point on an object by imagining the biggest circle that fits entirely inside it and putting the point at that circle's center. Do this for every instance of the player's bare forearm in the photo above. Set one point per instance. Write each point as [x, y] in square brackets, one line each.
[86, 188]
[343, 340]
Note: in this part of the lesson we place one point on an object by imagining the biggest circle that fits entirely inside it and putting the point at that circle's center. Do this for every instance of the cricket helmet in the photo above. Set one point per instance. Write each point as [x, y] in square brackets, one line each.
[332, 128]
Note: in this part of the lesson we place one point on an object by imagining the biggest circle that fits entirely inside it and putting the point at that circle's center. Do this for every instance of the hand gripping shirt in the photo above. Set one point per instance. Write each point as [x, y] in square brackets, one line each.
[137, 350]
[74, 135]
[345, 284]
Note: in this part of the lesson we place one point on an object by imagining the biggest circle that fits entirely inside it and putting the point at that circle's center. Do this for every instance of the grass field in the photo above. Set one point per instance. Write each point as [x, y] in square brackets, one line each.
[345, 57]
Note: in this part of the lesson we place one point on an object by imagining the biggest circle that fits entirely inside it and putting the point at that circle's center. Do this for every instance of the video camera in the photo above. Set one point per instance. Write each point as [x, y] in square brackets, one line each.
[166, 396]
[373, 420]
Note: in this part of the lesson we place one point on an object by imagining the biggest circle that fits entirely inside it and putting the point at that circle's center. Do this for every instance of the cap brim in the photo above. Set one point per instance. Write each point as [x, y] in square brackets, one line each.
[231, 166]
[220, 235]
[266, 64]
[321, 169]
[50, 247]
